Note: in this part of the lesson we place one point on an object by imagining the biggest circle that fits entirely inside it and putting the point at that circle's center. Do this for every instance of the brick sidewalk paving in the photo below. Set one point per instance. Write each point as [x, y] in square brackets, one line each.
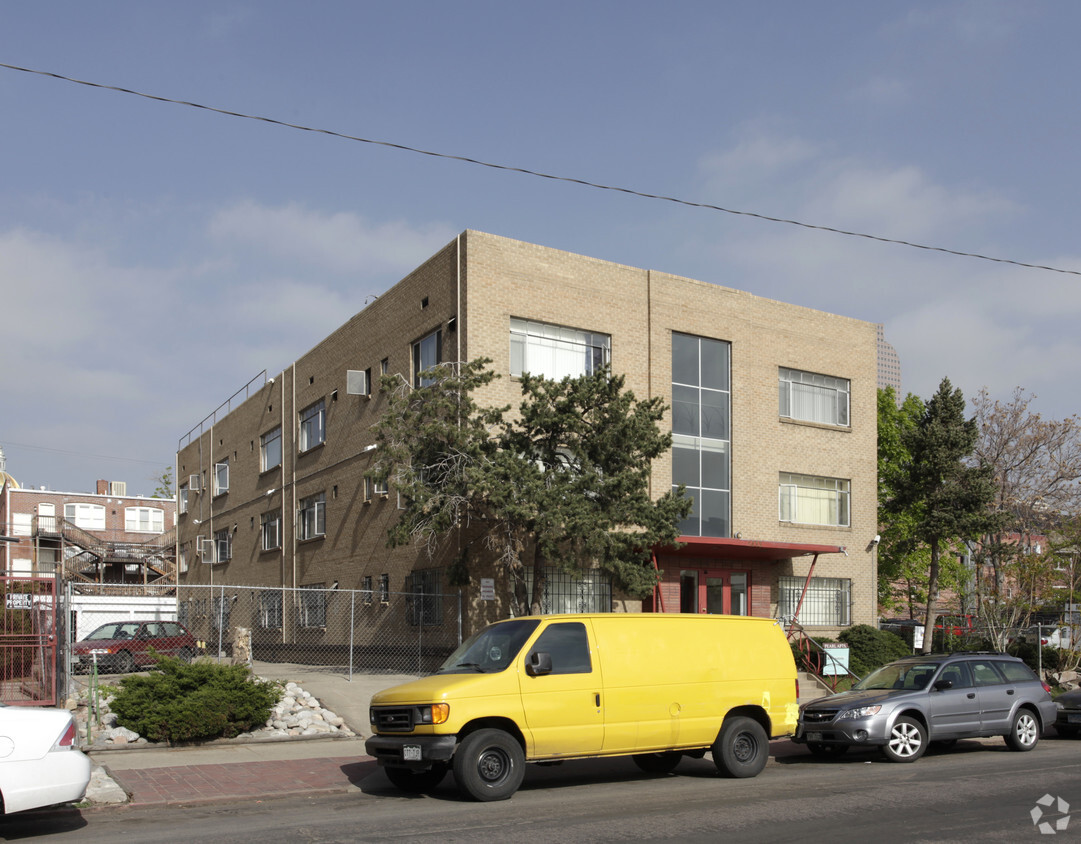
[241, 780]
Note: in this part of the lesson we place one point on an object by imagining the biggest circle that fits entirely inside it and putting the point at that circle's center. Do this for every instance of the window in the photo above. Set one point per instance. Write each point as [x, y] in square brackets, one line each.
[182, 499]
[563, 592]
[426, 603]
[270, 525]
[313, 430]
[426, 354]
[313, 605]
[384, 588]
[182, 562]
[701, 432]
[311, 516]
[88, 516]
[813, 398]
[144, 519]
[828, 601]
[221, 477]
[384, 366]
[556, 351]
[809, 500]
[366, 588]
[568, 645]
[270, 609]
[223, 545]
[270, 449]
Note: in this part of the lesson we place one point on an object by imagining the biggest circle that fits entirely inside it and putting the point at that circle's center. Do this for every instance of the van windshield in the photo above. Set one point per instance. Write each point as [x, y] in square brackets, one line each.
[491, 649]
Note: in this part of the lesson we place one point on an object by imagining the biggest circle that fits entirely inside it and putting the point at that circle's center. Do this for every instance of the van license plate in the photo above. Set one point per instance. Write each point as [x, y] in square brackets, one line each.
[814, 736]
[411, 753]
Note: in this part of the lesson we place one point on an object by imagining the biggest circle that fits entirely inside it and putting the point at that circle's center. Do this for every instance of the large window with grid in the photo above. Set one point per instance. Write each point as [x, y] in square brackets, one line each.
[701, 432]
[827, 602]
[556, 351]
[566, 592]
[88, 516]
[811, 397]
[144, 519]
[812, 500]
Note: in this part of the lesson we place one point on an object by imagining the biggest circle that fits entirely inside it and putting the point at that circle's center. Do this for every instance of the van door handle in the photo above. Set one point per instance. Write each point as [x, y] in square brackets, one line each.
[597, 699]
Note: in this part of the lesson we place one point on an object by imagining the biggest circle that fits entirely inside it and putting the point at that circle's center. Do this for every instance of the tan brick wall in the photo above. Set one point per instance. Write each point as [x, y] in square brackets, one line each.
[484, 280]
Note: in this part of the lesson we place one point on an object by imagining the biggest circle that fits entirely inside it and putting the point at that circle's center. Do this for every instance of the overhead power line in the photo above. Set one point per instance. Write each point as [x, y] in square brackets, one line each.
[538, 174]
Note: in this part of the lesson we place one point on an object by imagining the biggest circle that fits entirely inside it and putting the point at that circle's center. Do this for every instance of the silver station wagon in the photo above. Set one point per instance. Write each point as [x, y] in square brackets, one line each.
[904, 706]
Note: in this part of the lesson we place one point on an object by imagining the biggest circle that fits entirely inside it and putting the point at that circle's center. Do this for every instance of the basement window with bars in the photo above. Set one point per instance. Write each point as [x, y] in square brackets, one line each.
[426, 602]
[828, 602]
[270, 610]
[564, 592]
[312, 605]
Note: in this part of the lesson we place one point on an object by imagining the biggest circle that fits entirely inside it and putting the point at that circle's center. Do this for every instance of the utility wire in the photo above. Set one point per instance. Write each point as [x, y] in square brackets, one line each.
[541, 175]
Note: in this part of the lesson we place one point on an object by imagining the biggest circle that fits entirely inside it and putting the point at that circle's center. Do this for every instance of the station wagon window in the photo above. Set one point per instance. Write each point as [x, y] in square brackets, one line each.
[568, 645]
[1015, 672]
[958, 674]
[985, 674]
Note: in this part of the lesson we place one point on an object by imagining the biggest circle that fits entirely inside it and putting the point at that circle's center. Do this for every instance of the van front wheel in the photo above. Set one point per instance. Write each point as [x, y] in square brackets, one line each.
[742, 748]
[489, 765]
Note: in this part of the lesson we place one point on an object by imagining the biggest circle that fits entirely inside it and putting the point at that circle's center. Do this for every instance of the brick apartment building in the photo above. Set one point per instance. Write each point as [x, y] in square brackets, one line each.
[101, 537]
[774, 419]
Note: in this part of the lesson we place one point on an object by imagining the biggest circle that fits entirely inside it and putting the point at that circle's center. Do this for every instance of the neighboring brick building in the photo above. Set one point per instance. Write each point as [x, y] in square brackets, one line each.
[104, 537]
[774, 416]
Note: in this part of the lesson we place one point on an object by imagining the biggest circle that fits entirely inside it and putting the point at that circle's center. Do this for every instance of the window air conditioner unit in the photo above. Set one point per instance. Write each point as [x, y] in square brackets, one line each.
[193, 483]
[119, 488]
[356, 382]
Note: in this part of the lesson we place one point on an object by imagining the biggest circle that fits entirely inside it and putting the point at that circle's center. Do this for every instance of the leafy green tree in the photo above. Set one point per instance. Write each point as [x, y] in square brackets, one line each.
[562, 482]
[947, 499]
[164, 481]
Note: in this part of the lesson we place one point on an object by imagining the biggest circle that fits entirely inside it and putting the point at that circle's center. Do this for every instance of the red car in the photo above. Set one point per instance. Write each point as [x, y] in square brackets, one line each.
[124, 646]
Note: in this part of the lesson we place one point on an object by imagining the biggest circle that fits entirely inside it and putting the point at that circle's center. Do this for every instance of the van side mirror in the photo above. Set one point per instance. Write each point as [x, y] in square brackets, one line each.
[538, 663]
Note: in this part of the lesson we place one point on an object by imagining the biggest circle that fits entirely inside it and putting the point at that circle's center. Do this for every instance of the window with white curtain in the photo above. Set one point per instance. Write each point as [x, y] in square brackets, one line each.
[811, 500]
[811, 397]
[144, 519]
[88, 516]
[556, 351]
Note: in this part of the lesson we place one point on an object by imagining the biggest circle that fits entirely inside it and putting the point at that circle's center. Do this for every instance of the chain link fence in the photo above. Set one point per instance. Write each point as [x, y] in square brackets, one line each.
[341, 630]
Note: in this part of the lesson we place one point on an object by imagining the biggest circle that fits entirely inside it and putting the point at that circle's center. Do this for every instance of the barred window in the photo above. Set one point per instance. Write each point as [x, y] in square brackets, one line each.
[564, 592]
[366, 588]
[426, 604]
[270, 609]
[313, 605]
[828, 602]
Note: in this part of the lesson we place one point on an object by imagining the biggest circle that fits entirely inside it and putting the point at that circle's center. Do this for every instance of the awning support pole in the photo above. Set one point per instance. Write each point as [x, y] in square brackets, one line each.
[803, 594]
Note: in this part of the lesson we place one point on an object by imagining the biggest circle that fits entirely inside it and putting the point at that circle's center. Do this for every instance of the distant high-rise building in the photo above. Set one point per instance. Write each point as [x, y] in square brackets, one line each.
[889, 365]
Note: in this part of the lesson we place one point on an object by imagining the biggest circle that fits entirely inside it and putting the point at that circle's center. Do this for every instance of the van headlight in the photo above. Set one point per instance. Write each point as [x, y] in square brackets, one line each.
[859, 712]
[437, 713]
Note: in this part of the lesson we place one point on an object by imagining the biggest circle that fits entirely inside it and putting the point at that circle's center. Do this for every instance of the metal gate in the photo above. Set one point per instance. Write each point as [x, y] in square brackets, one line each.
[28, 640]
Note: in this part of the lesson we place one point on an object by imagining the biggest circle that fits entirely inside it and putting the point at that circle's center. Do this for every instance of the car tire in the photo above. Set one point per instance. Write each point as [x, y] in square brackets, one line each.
[657, 763]
[489, 765]
[742, 748]
[416, 782]
[1024, 731]
[906, 741]
[125, 663]
[185, 655]
[826, 750]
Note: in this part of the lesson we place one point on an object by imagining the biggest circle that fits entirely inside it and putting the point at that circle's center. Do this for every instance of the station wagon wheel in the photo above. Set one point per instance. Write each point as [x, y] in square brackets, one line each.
[741, 748]
[1024, 731]
[417, 782]
[125, 662]
[657, 763]
[489, 765]
[906, 742]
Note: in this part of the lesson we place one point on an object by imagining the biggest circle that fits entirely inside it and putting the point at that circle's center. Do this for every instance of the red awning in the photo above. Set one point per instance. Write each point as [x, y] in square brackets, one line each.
[746, 549]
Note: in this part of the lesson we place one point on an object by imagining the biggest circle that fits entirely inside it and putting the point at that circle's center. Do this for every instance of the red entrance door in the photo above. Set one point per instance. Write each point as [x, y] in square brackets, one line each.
[714, 591]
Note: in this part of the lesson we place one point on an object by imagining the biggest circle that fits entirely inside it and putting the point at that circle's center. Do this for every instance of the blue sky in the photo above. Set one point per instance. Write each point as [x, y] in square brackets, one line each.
[154, 257]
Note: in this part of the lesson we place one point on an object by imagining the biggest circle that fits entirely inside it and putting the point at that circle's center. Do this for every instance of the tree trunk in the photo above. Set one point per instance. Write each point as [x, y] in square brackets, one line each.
[540, 577]
[932, 599]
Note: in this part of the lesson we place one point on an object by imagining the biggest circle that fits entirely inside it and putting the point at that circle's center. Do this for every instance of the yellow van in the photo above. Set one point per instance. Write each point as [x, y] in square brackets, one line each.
[653, 686]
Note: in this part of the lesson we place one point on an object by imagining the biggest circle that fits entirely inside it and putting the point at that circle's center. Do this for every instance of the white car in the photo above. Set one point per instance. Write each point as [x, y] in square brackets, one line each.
[40, 764]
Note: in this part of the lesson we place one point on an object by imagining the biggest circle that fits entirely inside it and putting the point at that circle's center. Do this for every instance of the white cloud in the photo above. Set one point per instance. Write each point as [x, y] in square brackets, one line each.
[340, 242]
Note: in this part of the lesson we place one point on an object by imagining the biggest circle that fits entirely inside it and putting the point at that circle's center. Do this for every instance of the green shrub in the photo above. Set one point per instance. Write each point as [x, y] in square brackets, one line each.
[181, 702]
[869, 648]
